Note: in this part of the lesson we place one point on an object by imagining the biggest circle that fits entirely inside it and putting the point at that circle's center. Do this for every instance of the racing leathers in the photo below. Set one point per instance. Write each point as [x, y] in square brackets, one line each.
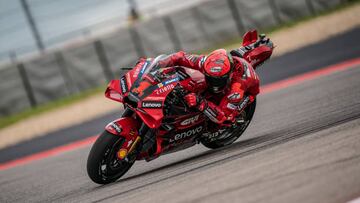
[242, 85]
[224, 108]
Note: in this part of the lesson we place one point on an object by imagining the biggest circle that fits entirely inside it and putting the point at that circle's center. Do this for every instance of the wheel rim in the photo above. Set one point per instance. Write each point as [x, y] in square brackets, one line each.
[110, 167]
[232, 134]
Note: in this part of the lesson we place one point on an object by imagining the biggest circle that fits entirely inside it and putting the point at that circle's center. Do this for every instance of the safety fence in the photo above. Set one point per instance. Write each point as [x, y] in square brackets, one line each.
[59, 73]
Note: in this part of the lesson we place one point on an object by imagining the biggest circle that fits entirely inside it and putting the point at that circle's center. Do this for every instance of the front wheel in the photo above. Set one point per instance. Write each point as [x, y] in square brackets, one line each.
[229, 135]
[103, 165]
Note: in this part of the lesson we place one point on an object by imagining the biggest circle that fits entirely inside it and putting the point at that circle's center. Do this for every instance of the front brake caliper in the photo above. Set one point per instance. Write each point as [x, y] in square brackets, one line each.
[123, 152]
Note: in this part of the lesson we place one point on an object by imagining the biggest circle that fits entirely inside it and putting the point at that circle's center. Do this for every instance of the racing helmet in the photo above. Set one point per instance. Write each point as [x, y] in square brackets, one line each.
[218, 67]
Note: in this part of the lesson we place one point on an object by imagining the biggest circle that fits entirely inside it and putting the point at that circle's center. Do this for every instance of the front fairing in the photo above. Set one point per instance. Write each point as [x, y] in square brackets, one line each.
[150, 105]
[144, 90]
[149, 91]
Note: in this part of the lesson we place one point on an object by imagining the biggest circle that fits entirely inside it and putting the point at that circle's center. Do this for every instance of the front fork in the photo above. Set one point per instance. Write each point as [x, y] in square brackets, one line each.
[144, 141]
[128, 128]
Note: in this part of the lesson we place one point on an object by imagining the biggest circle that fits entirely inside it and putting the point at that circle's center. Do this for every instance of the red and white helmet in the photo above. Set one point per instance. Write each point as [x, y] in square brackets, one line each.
[218, 67]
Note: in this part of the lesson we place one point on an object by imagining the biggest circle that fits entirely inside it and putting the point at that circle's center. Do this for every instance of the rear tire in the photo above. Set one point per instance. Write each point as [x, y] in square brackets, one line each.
[234, 133]
[103, 166]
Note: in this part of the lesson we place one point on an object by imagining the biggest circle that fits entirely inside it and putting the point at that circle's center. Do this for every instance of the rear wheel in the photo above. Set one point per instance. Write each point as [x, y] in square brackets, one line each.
[103, 165]
[229, 135]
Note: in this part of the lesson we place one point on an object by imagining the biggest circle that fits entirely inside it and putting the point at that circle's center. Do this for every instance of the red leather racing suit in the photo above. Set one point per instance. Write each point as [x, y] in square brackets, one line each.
[242, 89]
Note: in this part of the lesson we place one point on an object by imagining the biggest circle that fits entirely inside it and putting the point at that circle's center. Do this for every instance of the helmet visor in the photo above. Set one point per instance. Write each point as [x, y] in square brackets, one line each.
[217, 84]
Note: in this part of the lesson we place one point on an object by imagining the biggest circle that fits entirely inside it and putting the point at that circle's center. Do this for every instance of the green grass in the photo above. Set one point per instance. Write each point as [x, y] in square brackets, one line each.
[6, 121]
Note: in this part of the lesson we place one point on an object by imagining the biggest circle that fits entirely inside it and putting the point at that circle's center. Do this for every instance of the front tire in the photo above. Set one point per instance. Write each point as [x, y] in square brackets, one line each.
[103, 166]
[231, 135]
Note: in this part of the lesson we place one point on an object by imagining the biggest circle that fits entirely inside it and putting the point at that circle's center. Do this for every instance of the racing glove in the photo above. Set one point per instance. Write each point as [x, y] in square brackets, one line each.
[191, 100]
[244, 50]
[212, 111]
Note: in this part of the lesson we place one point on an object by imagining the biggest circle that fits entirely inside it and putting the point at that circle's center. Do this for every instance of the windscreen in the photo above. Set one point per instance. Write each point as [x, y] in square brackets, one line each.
[149, 79]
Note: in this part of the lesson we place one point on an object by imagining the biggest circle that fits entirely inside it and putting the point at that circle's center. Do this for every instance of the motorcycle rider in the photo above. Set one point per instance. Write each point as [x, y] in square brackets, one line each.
[232, 82]
[230, 78]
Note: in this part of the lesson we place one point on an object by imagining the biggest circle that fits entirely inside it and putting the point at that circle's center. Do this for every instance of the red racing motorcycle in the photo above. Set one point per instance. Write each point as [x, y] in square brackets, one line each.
[156, 121]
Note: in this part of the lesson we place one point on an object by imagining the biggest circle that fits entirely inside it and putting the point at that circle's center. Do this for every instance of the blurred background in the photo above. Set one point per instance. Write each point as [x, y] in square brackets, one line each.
[52, 49]
[54, 22]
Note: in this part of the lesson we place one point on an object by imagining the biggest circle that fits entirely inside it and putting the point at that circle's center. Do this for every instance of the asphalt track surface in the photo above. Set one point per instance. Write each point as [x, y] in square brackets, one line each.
[332, 51]
[302, 146]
